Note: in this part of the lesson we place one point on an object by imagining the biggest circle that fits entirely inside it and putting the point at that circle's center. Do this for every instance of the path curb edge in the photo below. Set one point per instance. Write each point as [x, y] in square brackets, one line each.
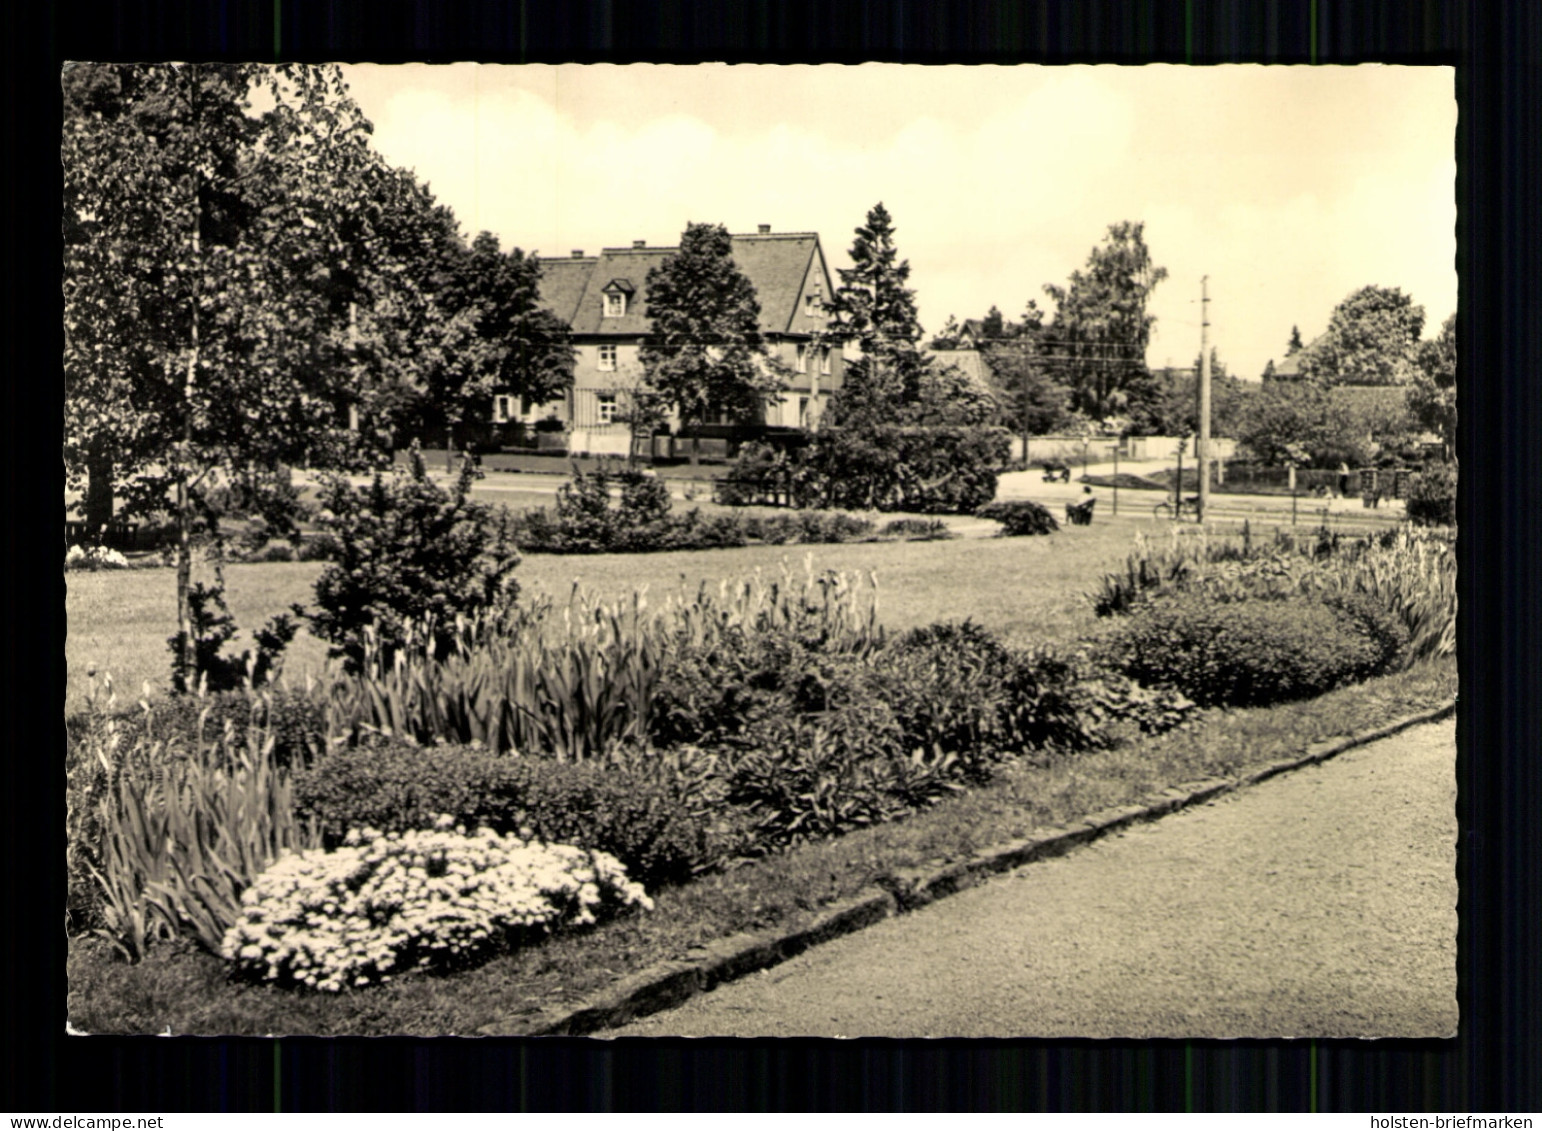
[667, 984]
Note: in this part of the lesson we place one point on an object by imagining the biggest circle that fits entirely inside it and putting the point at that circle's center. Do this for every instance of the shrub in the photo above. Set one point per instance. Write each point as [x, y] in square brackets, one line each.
[275, 552]
[213, 628]
[294, 720]
[917, 529]
[322, 547]
[93, 558]
[1070, 700]
[1432, 496]
[646, 817]
[802, 779]
[945, 684]
[893, 467]
[1245, 653]
[420, 899]
[408, 552]
[1020, 517]
[759, 474]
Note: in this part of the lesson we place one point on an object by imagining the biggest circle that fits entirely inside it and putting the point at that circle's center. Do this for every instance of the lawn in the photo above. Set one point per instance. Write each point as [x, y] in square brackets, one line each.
[1023, 588]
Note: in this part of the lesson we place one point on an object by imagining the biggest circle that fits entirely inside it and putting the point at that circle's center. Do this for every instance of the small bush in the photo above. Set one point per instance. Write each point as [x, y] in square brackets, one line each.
[649, 821]
[321, 547]
[802, 779]
[94, 558]
[1070, 699]
[408, 551]
[187, 724]
[385, 903]
[213, 628]
[275, 552]
[1432, 496]
[917, 529]
[1020, 517]
[1245, 653]
[945, 684]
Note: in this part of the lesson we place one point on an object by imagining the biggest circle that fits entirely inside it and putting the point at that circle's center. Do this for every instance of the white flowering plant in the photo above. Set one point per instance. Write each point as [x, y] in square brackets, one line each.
[424, 899]
[94, 557]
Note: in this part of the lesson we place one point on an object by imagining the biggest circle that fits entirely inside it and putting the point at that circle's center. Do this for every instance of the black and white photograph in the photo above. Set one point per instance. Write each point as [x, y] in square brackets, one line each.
[650, 551]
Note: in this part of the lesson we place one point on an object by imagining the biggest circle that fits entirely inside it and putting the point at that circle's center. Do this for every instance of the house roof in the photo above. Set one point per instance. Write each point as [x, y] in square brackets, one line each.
[1291, 366]
[970, 362]
[562, 284]
[775, 263]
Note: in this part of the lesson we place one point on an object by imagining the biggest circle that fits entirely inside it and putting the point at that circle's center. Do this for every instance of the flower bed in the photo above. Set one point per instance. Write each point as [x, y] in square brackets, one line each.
[716, 726]
[387, 902]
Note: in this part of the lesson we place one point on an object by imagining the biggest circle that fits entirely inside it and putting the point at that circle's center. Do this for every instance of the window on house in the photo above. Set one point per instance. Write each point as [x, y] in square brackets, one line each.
[615, 304]
[607, 359]
[802, 412]
[607, 408]
[811, 303]
[802, 356]
[501, 409]
[525, 406]
[824, 360]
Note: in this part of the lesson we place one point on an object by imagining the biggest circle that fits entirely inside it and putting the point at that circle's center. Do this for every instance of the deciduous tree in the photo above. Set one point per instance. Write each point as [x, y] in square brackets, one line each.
[238, 266]
[1432, 395]
[1372, 339]
[1101, 326]
[497, 337]
[704, 353]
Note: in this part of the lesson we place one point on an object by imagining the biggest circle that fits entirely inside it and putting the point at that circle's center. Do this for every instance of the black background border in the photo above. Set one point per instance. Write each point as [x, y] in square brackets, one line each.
[1496, 1062]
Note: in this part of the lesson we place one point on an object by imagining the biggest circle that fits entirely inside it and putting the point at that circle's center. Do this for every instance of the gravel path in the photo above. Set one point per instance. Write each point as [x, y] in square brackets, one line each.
[1321, 903]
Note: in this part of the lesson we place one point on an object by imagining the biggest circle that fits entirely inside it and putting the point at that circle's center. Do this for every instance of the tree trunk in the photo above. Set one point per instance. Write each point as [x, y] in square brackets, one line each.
[183, 459]
[189, 677]
[99, 500]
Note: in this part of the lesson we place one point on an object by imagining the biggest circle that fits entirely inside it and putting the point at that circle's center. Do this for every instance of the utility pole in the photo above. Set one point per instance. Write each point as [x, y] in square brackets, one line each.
[1202, 446]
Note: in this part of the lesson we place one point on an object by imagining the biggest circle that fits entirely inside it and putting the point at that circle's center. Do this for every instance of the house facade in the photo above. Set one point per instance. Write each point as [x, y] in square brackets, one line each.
[604, 300]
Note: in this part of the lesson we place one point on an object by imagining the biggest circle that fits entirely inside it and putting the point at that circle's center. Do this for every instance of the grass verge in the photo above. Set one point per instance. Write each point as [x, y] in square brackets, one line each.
[188, 991]
[1026, 589]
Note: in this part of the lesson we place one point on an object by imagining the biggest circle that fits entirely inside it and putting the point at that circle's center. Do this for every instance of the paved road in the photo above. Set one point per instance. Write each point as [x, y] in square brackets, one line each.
[1321, 903]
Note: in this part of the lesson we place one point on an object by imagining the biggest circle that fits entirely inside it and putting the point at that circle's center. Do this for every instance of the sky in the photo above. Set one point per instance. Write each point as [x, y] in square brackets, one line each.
[1288, 187]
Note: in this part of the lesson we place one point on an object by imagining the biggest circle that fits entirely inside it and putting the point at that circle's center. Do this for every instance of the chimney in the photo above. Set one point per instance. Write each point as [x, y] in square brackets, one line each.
[578, 253]
[639, 243]
[765, 229]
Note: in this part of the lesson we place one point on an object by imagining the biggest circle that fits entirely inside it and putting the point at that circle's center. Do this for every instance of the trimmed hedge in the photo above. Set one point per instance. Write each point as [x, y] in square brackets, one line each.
[1253, 652]
[643, 819]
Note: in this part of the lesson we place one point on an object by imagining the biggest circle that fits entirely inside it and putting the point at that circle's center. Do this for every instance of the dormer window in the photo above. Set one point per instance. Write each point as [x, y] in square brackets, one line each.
[617, 292]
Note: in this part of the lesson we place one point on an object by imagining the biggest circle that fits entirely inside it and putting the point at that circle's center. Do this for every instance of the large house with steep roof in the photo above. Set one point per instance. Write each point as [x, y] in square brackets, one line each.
[604, 300]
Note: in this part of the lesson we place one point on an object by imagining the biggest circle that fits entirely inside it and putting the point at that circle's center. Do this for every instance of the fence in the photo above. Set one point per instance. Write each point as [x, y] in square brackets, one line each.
[1387, 482]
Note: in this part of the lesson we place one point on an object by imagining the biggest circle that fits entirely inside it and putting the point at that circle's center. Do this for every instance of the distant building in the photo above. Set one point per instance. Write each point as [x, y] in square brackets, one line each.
[604, 300]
